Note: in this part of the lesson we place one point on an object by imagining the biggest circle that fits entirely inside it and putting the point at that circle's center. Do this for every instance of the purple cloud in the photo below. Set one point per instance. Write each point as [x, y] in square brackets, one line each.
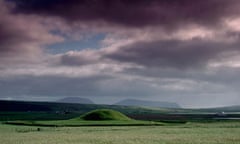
[22, 37]
[160, 49]
[172, 53]
[135, 13]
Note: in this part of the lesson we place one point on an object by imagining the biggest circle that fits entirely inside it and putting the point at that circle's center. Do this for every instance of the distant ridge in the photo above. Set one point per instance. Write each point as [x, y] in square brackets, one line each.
[77, 100]
[134, 102]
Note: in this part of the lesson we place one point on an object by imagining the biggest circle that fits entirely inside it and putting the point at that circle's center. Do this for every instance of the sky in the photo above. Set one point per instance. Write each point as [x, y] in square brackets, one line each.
[181, 51]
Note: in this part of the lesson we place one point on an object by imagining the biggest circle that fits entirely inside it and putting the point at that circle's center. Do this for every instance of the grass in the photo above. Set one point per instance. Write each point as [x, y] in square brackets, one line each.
[78, 123]
[99, 117]
[111, 127]
[10, 116]
[190, 133]
[194, 128]
[104, 114]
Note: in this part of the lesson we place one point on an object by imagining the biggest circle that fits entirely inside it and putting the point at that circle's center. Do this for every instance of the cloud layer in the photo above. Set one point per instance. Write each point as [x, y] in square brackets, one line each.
[135, 13]
[179, 50]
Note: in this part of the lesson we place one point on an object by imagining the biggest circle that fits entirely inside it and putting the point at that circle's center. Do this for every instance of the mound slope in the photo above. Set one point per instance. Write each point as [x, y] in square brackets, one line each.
[104, 114]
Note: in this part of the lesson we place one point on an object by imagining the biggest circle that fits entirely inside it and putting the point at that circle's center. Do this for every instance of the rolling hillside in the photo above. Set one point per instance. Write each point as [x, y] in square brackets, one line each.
[20, 110]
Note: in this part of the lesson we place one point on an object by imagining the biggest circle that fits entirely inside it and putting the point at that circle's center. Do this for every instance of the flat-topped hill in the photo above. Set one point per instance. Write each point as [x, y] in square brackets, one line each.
[104, 114]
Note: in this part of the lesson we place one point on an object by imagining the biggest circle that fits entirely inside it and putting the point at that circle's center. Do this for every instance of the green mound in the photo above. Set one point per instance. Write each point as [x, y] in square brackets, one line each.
[104, 114]
[99, 117]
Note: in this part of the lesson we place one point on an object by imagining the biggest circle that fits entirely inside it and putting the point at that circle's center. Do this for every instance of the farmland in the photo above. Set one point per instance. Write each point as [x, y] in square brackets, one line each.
[190, 133]
[44, 123]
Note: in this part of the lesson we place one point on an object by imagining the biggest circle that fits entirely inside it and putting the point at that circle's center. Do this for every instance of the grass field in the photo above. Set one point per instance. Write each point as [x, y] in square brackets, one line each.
[100, 117]
[169, 127]
[190, 133]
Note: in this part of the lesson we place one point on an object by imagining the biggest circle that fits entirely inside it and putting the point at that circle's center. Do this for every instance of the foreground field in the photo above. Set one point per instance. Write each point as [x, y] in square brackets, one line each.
[77, 123]
[190, 133]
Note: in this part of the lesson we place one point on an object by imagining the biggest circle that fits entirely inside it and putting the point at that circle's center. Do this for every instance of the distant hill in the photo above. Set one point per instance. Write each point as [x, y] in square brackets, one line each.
[29, 110]
[26, 110]
[134, 102]
[28, 106]
[77, 100]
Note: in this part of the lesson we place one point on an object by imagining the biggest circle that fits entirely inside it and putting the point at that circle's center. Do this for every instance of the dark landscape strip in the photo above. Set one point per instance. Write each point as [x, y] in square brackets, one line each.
[83, 125]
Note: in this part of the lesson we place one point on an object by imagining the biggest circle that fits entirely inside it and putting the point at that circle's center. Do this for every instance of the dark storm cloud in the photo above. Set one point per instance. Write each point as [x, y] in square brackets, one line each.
[13, 37]
[172, 53]
[153, 49]
[9, 35]
[21, 37]
[134, 13]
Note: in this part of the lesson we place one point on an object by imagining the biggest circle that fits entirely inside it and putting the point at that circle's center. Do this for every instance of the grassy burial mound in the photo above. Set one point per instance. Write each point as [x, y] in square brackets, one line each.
[99, 117]
[104, 114]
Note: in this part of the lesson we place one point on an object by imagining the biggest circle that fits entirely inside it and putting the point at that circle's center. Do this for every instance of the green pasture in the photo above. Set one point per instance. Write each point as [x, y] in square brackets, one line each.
[189, 133]
[99, 117]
